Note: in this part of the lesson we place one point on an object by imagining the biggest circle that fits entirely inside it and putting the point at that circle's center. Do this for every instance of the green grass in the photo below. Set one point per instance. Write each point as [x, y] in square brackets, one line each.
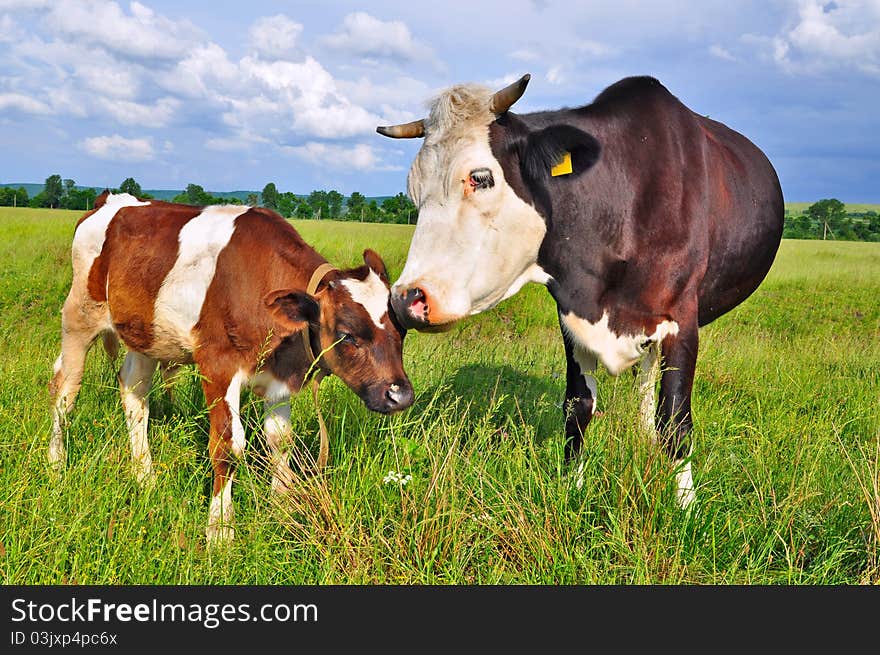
[786, 459]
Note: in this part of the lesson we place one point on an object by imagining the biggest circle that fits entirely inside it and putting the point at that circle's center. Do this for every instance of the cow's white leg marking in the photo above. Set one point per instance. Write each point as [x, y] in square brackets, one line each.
[372, 294]
[684, 484]
[587, 363]
[135, 379]
[650, 369]
[221, 515]
[233, 399]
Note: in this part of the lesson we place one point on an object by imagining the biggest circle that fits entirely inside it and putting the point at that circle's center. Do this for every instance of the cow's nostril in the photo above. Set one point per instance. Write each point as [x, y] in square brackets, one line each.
[416, 304]
[411, 306]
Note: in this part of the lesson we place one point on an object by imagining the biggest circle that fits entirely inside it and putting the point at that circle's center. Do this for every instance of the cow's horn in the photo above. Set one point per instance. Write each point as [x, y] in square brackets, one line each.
[406, 131]
[504, 98]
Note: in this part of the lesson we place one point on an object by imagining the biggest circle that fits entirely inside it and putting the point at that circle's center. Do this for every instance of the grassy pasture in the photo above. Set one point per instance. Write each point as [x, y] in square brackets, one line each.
[786, 459]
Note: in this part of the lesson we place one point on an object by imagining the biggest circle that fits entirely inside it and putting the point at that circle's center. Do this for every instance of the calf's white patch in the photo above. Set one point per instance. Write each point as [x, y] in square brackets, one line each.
[372, 294]
[180, 298]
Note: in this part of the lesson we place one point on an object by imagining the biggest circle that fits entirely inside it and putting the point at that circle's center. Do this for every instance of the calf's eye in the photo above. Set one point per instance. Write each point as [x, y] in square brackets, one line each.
[347, 338]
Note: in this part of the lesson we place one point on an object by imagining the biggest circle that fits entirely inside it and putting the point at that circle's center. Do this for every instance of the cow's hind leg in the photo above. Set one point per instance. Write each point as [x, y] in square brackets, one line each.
[135, 379]
[649, 371]
[80, 326]
[674, 420]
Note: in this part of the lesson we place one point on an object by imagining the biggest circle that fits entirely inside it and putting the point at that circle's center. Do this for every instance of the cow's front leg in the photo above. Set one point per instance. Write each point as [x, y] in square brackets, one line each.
[580, 394]
[674, 421]
[226, 442]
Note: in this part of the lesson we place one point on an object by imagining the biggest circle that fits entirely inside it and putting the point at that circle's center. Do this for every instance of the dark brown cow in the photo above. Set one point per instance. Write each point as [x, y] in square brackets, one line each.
[644, 219]
[223, 287]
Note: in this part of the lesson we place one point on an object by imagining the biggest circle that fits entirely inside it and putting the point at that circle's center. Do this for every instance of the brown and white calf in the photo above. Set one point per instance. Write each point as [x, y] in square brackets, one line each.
[222, 287]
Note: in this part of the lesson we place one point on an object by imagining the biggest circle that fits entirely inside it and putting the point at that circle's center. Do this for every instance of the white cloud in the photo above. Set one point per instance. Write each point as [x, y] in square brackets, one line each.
[365, 36]
[555, 76]
[275, 37]
[300, 97]
[830, 36]
[204, 71]
[23, 5]
[385, 96]
[24, 104]
[7, 28]
[144, 115]
[720, 52]
[141, 34]
[361, 157]
[118, 148]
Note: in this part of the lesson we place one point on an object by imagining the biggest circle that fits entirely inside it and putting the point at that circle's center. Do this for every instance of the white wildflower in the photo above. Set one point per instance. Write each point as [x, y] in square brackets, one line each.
[395, 477]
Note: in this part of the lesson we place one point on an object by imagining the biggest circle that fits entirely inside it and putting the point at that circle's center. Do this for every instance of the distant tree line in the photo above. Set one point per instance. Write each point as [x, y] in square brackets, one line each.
[828, 219]
[10, 197]
[825, 219]
[58, 193]
[318, 205]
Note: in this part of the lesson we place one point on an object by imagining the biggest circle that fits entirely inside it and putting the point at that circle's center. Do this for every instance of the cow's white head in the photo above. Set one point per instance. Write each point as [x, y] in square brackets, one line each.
[476, 242]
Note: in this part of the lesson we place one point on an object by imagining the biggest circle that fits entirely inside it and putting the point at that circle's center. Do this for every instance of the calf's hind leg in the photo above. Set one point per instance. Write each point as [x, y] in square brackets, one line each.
[135, 379]
[81, 323]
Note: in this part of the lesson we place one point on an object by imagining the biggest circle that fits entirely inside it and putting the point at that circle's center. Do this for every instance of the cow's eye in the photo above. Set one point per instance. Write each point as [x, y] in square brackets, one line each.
[347, 338]
[481, 178]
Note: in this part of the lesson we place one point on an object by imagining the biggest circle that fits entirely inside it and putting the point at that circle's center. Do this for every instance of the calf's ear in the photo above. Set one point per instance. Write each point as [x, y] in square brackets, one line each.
[374, 261]
[292, 310]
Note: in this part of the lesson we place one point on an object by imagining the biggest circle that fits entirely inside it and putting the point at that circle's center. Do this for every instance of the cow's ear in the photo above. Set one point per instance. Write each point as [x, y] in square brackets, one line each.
[374, 261]
[549, 151]
[291, 310]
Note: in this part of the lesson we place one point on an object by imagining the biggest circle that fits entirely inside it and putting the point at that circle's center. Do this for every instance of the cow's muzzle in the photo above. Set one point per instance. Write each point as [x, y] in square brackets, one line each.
[410, 305]
[417, 309]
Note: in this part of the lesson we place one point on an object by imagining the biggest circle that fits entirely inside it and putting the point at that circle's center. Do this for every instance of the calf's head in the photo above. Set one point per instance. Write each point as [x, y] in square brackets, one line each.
[350, 320]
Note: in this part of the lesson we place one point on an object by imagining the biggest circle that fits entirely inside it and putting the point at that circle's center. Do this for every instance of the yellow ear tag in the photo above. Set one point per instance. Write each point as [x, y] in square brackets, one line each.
[563, 167]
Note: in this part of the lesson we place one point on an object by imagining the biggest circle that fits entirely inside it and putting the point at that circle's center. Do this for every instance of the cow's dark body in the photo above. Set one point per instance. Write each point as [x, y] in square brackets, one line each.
[668, 215]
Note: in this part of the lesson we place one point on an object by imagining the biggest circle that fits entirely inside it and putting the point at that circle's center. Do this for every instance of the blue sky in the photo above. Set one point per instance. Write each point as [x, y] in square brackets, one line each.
[235, 95]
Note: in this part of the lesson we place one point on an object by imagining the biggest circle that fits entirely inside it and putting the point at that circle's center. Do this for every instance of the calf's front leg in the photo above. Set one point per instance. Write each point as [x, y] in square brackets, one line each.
[225, 444]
